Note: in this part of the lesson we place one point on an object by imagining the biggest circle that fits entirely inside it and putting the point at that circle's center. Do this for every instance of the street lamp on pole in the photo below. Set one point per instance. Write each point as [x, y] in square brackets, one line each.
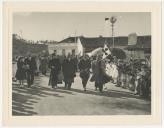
[113, 21]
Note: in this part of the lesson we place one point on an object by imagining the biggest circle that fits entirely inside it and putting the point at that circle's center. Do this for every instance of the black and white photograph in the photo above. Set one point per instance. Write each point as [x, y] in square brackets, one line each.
[81, 63]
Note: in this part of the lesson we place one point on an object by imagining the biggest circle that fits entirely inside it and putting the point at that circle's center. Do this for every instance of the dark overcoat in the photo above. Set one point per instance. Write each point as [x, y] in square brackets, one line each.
[99, 74]
[84, 66]
[69, 69]
[20, 73]
[31, 63]
[55, 67]
[43, 66]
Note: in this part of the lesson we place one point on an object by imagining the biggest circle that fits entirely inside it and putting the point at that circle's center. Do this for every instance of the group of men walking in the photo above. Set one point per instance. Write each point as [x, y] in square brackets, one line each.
[62, 68]
[69, 67]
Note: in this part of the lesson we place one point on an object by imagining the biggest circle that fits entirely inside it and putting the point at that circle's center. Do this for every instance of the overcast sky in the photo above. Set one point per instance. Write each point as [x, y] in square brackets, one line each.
[57, 26]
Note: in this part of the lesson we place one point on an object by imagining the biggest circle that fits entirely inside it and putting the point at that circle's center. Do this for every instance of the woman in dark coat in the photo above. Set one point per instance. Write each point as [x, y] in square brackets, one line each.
[84, 66]
[21, 73]
[68, 68]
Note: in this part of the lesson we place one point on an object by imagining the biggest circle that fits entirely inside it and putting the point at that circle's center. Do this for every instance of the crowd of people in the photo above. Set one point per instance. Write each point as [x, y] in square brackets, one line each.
[136, 76]
[131, 75]
[26, 67]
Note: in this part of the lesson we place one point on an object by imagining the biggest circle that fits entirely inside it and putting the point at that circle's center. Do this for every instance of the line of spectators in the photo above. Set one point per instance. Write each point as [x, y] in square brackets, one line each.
[136, 76]
[25, 70]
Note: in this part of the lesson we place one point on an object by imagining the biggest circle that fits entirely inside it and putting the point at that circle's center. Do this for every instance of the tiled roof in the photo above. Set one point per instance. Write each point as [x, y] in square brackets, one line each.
[90, 43]
[99, 41]
[68, 40]
[87, 41]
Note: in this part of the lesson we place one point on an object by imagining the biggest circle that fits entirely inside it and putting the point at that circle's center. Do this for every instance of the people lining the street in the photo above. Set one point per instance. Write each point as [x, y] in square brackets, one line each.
[135, 76]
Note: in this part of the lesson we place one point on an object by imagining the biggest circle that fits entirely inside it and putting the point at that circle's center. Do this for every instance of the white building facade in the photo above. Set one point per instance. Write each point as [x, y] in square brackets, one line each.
[65, 48]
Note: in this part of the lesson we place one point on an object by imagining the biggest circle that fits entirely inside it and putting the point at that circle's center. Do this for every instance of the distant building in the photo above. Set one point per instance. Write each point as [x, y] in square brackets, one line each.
[91, 43]
[68, 45]
[76, 45]
[142, 48]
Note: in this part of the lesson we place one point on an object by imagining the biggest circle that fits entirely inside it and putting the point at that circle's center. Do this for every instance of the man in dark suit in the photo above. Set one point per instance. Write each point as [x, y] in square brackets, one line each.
[69, 69]
[55, 67]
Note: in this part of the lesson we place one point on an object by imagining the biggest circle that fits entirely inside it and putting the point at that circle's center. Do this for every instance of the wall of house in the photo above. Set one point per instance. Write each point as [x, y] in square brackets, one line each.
[63, 48]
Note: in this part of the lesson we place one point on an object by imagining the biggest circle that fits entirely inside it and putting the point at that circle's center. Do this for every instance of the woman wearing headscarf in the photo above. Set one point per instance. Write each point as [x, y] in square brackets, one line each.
[21, 72]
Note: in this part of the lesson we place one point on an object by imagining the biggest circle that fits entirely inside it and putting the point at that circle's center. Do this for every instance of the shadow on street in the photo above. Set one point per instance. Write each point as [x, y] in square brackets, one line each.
[23, 99]
[108, 93]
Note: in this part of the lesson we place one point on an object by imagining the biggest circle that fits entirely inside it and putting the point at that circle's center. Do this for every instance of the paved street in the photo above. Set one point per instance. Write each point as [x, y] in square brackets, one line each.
[41, 99]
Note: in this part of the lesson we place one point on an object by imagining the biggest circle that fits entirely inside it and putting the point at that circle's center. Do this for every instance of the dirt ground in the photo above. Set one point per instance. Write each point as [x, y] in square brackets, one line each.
[41, 99]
